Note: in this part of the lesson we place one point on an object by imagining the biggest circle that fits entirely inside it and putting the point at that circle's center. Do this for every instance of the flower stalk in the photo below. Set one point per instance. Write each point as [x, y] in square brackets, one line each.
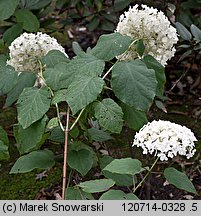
[140, 184]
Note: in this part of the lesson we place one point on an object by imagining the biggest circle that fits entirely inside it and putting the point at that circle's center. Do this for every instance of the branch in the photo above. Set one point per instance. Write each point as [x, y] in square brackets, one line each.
[65, 156]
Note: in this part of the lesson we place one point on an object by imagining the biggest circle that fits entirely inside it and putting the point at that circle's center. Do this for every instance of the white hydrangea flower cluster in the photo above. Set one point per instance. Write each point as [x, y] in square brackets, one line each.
[153, 27]
[27, 48]
[165, 140]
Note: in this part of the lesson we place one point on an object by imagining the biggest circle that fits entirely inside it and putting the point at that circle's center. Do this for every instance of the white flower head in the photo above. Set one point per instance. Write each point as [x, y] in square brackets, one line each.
[153, 27]
[165, 140]
[28, 48]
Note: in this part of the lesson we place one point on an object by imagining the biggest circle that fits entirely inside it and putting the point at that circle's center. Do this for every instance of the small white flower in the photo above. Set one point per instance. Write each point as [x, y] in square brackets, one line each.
[28, 48]
[165, 140]
[153, 27]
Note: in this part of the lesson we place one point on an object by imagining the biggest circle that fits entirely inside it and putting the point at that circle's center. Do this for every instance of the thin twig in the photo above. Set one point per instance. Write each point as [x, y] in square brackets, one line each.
[58, 117]
[118, 60]
[180, 78]
[105, 87]
[108, 71]
[77, 119]
[65, 155]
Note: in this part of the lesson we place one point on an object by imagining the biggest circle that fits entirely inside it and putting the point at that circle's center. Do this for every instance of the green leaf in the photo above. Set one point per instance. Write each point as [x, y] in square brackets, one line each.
[184, 46]
[134, 84]
[32, 104]
[3, 59]
[131, 196]
[7, 8]
[107, 26]
[185, 54]
[74, 133]
[81, 160]
[4, 142]
[110, 17]
[83, 91]
[35, 4]
[53, 75]
[160, 105]
[77, 146]
[28, 20]
[179, 180]
[99, 135]
[57, 135]
[190, 4]
[119, 5]
[196, 32]
[197, 47]
[120, 180]
[53, 123]
[117, 195]
[3, 136]
[54, 57]
[90, 65]
[152, 63]
[8, 78]
[105, 160]
[12, 33]
[113, 195]
[124, 166]
[93, 24]
[140, 47]
[76, 48]
[109, 115]
[35, 131]
[23, 80]
[77, 194]
[81, 65]
[94, 186]
[41, 159]
[134, 118]
[4, 153]
[60, 96]
[183, 31]
[111, 45]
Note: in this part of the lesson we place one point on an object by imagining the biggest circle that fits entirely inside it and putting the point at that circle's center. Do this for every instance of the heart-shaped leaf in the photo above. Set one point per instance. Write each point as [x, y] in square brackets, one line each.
[41, 159]
[81, 160]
